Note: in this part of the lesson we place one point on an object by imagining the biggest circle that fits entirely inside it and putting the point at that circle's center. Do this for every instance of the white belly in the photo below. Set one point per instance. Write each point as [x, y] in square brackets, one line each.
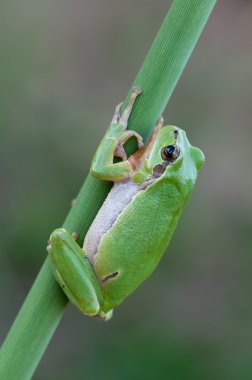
[118, 198]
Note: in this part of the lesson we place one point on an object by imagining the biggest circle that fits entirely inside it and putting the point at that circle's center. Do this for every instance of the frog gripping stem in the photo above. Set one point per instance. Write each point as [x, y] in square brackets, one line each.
[103, 166]
[45, 304]
[125, 116]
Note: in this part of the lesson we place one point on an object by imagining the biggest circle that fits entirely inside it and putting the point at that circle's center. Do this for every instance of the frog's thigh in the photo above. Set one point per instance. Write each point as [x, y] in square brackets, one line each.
[74, 273]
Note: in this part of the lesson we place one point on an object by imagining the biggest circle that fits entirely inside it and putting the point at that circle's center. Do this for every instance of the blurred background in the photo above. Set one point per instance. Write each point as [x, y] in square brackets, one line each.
[64, 65]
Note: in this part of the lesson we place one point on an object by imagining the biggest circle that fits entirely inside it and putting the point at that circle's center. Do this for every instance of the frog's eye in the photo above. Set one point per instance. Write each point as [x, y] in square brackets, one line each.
[170, 153]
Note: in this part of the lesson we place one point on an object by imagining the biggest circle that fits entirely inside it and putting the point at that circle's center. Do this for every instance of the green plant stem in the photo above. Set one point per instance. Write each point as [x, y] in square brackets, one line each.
[45, 303]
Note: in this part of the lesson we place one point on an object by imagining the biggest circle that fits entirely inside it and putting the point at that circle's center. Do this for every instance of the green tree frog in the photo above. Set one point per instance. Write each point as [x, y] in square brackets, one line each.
[135, 224]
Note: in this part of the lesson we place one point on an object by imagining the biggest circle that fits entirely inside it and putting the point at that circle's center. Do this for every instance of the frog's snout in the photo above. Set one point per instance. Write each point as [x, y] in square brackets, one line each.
[199, 157]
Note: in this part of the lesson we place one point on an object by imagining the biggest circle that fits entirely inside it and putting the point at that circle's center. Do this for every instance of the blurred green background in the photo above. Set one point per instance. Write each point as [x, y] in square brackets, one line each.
[63, 67]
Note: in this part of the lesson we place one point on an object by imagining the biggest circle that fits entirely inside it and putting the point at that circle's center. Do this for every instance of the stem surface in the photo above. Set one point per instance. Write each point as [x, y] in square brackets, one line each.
[45, 303]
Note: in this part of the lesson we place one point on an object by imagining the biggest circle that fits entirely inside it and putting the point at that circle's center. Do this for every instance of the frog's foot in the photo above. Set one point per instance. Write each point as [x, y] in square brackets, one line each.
[152, 139]
[117, 114]
[160, 122]
[75, 236]
[123, 119]
[119, 151]
[106, 316]
[128, 134]
[126, 114]
[74, 273]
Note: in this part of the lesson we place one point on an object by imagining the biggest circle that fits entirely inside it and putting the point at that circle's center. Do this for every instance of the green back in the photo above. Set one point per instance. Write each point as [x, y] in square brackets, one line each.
[141, 239]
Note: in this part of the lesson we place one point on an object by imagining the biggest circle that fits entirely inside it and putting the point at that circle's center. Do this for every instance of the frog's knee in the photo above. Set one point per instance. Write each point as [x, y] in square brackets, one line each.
[61, 244]
[60, 241]
[59, 235]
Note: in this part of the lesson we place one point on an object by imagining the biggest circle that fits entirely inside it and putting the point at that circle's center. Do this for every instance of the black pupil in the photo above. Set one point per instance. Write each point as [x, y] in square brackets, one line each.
[170, 150]
[170, 153]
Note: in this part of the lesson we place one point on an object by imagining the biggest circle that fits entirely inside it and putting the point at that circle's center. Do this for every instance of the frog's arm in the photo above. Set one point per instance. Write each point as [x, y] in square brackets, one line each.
[102, 165]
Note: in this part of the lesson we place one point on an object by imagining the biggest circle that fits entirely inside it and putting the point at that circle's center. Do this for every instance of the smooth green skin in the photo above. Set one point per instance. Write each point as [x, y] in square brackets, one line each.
[134, 244]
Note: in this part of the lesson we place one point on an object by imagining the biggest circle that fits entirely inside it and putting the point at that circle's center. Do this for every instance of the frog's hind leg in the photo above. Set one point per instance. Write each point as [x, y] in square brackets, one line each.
[74, 273]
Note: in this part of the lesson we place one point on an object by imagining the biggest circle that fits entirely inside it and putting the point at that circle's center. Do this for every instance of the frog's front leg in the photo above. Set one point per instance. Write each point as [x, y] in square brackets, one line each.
[103, 166]
[119, 151]
[74, 273]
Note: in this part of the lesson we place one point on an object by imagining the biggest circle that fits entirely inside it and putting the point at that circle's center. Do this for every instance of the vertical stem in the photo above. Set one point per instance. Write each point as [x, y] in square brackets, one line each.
[45, 303]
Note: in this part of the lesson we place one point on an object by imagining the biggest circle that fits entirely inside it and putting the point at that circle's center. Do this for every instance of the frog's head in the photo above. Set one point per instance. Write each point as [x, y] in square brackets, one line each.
[169, 154]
